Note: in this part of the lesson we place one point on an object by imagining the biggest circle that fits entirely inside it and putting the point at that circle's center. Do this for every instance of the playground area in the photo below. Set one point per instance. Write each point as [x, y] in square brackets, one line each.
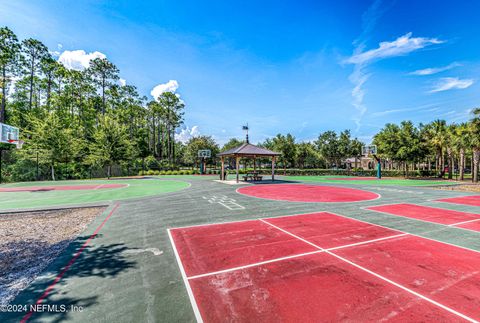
[190, 248]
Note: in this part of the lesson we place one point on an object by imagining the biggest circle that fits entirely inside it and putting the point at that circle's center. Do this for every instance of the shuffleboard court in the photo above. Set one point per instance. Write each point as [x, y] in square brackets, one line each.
[446, 274]
[426, 213]
[307, 193]
[473, 200]
[382, 275]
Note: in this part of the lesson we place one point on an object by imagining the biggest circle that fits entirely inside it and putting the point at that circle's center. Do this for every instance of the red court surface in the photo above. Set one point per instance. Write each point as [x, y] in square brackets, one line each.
[61, 188]
[307, 193]
[474, 225]
[441, 272]
[218, 247]
[340, 274]
[466, 200]
[426, 213]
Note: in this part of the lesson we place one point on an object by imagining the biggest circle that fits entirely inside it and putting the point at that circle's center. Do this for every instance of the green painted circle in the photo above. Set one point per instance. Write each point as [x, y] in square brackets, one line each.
[135, 188]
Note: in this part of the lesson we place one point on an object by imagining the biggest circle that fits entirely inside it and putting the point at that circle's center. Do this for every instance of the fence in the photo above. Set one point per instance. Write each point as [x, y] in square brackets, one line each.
[29, 167]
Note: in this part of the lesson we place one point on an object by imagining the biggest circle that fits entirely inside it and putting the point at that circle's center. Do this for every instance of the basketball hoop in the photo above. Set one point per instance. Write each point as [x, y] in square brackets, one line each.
[18, 143]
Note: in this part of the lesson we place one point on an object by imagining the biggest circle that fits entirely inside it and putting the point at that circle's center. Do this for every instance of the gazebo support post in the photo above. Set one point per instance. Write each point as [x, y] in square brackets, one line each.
[237, 165]
[273, 168]
[254, 164]
[222, 175]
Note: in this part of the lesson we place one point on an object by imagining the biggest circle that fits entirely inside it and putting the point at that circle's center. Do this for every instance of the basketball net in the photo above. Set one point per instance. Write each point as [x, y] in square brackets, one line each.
[18, 143]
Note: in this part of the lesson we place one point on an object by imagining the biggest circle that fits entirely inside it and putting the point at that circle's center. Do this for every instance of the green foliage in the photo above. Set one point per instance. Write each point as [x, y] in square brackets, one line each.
[197, 143]
[110, 145]
[232, 143]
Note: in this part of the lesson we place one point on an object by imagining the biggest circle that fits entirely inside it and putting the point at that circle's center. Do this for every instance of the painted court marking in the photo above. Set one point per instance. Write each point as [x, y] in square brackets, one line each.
[307, 193]
[473, 200]
[428, 214]
[320, 250]
[225, 201]
[396, 190]
[70, 263]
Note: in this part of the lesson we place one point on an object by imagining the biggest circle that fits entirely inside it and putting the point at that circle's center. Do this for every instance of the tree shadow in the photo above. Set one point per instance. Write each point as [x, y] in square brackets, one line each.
[95, 260]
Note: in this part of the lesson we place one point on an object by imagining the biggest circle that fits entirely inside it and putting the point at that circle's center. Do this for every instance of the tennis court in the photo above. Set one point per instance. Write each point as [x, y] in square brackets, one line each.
[324, 266]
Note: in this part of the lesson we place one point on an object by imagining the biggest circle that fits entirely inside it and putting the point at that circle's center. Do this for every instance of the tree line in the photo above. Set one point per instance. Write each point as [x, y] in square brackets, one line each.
[436, 146]
[79, 119]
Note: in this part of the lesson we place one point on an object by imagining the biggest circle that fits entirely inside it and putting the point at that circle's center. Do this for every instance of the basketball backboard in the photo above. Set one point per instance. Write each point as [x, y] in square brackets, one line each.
[9, 134]
[205, 153]
[369, 150]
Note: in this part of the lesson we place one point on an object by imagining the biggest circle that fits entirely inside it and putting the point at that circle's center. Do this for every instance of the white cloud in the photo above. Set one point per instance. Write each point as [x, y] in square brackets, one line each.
[122, 82]
[450, 83]
[401, 46]
[435, 70]
[170, 86]
[78, 59]
[361, 59]
[186, 134]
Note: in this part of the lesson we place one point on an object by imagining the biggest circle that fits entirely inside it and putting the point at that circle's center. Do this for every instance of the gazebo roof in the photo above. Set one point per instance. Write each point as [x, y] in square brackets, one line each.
[248, 149]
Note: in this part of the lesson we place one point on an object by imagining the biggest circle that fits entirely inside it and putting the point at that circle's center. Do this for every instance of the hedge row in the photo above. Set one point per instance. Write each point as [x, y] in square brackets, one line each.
[300, 172]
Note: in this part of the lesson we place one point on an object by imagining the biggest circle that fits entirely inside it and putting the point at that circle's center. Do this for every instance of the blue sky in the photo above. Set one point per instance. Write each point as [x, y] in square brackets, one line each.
[282, 66]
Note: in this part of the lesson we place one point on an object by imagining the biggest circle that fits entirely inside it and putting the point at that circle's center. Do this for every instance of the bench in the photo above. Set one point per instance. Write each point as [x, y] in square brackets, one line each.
[252, 177]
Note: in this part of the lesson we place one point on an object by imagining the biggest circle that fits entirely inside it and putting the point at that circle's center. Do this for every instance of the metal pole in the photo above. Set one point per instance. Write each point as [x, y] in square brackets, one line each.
[273, 168]
[237, 165]
[222, 175]
[1, 153]
[37, 166]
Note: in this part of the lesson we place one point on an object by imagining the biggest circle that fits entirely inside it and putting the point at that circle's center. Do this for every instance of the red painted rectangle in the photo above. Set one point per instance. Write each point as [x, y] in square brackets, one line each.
[210, 248]
[425, 213]
[328, 230]
[474, 226]
[466, 200]
[444, 273]
[314, 288]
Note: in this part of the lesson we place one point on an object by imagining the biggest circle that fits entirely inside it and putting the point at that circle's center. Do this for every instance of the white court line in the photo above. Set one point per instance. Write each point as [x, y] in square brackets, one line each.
[475, 220]
[390, 281]
[196, 311]
[405, 289]
[255, 264]
[452, 225]
[412, 234]
[246, 220]
[292, 256]
[291, 234]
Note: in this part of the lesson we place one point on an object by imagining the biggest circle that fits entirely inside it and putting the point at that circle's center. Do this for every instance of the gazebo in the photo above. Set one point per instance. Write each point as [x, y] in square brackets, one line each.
[247, 150]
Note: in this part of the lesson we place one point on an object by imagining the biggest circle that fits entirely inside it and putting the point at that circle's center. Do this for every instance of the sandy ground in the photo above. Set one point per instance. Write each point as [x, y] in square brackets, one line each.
[29, 241]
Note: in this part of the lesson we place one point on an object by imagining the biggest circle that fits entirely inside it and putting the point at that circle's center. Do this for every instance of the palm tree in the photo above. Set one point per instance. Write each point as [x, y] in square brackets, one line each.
[450, 143]
[475, 142]
[461, 143]
[437, 131]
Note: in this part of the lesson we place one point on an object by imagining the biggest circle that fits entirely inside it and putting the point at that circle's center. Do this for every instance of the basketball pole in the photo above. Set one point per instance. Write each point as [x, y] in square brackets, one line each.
[379, 167]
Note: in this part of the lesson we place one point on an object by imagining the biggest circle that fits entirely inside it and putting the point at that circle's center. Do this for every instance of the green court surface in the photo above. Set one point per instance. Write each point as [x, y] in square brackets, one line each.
[128, 272]
[351, 180]
[134, 188]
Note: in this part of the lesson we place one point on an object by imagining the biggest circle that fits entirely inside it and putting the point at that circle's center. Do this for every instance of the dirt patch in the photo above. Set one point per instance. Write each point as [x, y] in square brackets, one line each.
[29, 241]
[461, 187]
